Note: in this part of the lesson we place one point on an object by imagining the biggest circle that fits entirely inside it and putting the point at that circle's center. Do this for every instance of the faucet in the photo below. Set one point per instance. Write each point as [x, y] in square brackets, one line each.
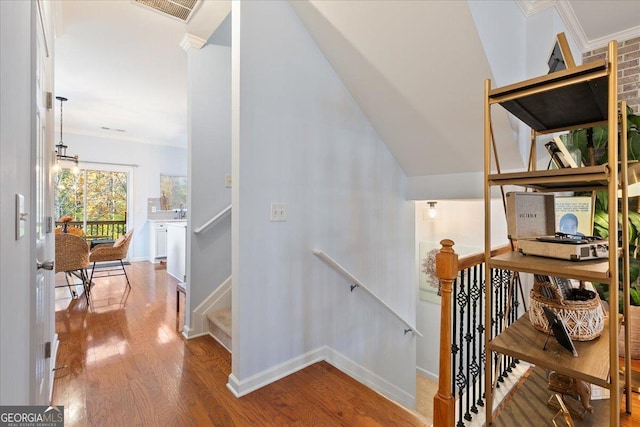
[183, 213]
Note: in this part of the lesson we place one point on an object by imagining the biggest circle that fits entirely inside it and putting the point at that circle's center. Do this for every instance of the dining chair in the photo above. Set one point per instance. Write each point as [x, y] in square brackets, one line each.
[77, 231]
[72, 259]
[105, 252]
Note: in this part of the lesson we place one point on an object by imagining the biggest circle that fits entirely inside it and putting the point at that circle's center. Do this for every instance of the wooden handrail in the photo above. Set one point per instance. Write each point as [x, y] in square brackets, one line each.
[469, 261]
[358, 284]
[212, 220]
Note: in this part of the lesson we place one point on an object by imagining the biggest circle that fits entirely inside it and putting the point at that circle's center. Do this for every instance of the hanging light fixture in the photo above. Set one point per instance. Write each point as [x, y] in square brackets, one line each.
[61, 148]
[433, 213]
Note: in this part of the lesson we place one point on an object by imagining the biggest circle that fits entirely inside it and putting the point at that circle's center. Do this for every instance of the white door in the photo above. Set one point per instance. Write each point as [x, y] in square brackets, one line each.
[43, 342]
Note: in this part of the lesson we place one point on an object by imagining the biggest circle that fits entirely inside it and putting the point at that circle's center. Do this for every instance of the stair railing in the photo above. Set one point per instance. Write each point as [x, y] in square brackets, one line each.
[358, 284]
[212, 220]
[462, 332]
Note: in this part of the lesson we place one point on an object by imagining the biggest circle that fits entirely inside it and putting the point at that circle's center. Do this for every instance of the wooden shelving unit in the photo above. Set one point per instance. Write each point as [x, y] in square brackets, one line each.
[577, 97]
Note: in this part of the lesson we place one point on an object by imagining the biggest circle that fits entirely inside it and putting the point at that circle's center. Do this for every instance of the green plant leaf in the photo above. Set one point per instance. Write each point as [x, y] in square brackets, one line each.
[635, 296]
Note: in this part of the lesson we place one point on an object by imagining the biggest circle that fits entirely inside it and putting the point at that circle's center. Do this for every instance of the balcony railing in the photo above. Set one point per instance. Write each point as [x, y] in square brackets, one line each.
[462, 352]
[100, 229]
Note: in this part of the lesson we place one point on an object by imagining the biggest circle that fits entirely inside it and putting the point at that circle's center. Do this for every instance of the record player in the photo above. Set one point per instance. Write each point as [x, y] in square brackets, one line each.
[565, 246]
[531, 221]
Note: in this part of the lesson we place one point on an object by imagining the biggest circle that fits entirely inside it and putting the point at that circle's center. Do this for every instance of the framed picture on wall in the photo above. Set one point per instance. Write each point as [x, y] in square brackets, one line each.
[429, 284]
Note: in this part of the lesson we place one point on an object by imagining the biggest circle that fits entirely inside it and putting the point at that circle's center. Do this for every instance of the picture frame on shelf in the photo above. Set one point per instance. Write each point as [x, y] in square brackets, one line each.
[574, 214]
[559, 329]
[560, 57]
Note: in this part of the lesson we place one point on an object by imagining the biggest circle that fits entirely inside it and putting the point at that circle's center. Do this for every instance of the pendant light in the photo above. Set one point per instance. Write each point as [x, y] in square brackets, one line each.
[61, 148]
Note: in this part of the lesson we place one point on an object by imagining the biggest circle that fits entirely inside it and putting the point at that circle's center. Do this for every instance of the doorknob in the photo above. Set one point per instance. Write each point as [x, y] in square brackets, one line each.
[47, 265]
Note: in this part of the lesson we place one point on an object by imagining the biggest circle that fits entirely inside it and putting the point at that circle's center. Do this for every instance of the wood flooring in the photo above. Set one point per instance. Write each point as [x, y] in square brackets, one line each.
[122, 362]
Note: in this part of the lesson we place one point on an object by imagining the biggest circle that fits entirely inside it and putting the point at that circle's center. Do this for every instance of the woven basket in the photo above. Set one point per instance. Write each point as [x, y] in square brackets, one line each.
[584, 319]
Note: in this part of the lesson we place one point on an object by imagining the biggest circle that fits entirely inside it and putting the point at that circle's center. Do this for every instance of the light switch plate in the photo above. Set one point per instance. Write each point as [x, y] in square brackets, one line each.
[227, 180]
[278, 212]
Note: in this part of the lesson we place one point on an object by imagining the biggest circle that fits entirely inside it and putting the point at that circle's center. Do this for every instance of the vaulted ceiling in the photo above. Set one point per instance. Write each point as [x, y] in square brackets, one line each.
[414, 67]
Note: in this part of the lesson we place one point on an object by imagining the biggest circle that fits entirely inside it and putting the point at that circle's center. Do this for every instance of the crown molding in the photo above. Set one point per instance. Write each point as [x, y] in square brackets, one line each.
[190, 41]
[531, 7]
[574, 28]
[573, 25]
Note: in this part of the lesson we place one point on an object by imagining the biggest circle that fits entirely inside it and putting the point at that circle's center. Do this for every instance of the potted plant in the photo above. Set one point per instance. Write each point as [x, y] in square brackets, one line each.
[593, 148]
[592, 143]
[601, 229]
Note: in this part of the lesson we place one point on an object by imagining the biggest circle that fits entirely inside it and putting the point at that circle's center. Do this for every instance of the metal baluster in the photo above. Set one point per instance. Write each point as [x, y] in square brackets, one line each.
[481, 332]
[514, 311]
[506, 283]
[454, 346]
[495, 319]
[461, 380]
[474, 368]
[468, 337]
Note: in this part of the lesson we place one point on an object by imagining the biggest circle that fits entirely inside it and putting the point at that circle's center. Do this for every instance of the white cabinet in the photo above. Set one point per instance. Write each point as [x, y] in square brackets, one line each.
[177, 250]
[157, 241]
[161, 242]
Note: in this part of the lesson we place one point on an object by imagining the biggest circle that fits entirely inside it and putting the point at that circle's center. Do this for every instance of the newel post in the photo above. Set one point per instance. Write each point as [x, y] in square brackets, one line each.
[447, 271]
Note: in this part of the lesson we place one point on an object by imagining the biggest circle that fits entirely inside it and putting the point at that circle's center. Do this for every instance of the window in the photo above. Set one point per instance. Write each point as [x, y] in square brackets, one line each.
[96, 200]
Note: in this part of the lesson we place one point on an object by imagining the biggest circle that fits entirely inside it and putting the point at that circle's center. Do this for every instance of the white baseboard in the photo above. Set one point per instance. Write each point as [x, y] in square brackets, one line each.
[220, 342]
[370, 379]
[426, 373]
[361, 374]
[240, 388]
[199, 322]
[190, 333]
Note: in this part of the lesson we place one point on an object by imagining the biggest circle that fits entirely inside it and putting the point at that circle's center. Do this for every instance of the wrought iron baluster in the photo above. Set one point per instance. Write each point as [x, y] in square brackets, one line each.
[474, 369]
[481, 332]
[454, 346]
[468, 337]
[461, 379]
[495, 319]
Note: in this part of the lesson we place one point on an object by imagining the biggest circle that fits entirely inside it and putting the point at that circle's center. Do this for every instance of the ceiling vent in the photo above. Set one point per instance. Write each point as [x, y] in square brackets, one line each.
[180, 9]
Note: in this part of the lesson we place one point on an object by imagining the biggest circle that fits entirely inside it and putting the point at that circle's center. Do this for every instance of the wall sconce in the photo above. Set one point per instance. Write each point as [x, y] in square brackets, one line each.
[61, 148]
[432, 210]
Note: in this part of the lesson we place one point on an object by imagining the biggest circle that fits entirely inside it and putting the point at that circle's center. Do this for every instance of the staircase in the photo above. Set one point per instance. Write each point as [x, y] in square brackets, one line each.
[220, 326]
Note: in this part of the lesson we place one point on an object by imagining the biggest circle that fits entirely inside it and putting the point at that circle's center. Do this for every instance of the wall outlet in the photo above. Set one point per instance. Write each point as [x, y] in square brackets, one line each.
[227, 180]
[278, 212]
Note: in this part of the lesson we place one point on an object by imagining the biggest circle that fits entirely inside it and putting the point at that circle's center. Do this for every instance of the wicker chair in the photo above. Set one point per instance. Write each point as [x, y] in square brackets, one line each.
[71, 230]
[111, 252]
[72, 258]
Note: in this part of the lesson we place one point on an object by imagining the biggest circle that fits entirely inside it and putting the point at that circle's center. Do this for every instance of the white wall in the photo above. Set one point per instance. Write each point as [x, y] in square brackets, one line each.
[152, 160]
[518, 49]
[463, 222]
[209, 77]
[300, 139]
[16, 261]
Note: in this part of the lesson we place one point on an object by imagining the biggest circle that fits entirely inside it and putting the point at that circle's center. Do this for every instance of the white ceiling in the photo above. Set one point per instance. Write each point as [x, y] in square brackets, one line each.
[122, 67]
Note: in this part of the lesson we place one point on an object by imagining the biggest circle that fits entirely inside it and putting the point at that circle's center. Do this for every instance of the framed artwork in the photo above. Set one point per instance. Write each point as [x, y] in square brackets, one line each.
[574, 215]
[429, 284]
[560, 57]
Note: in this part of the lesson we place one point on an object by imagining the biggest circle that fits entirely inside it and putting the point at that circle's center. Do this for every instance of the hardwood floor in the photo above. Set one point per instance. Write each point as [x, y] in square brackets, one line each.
[123, 362]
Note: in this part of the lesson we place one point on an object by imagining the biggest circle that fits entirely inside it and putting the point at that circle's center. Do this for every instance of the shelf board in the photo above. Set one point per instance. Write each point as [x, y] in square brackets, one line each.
[591, 270]
[522, 341]
[558, 100]
[567, 179]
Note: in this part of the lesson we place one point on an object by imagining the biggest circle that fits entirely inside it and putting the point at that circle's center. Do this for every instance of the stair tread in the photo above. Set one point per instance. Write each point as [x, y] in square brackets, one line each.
[222, 319]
